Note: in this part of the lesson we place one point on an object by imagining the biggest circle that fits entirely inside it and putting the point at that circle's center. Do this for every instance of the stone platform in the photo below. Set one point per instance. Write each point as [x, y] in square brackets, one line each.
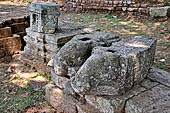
[150, 96]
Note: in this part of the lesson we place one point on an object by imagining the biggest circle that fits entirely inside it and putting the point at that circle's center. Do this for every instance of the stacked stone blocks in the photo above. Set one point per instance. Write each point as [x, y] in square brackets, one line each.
[12, 31]
[46, 36]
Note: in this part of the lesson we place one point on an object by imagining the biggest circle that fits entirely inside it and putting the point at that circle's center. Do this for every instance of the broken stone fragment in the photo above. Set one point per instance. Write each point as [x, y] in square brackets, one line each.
[114, 70]
[73, 54]
[44, 17]
[156, 100]
[38, 83]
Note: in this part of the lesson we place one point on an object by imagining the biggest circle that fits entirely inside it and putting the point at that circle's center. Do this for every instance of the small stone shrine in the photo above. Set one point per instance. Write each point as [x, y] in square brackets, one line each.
[93, 72]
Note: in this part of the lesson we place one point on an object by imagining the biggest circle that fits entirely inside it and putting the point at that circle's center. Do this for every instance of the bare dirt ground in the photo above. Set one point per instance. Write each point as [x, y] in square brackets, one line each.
[16, 93]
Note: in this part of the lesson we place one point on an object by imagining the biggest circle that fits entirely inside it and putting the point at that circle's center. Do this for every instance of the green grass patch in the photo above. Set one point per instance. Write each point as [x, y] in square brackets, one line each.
[20, 100]
[44, 76]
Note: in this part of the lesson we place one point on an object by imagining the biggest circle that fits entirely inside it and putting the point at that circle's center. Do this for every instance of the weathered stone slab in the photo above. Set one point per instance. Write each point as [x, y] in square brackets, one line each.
[148, 84]
[67, 30]
[160, 11]
[5, 32]
[44, 17]
[114, 70]
[36, 44]
[156, 100]
[160, 76]
[75, 52]
[58, 80]
[61, 102]
[112, 104]
[86, 108]
[38, 52]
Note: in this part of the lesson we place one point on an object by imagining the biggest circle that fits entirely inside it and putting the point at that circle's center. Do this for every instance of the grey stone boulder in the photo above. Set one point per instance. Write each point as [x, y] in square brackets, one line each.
[114, 70]
[161, 11]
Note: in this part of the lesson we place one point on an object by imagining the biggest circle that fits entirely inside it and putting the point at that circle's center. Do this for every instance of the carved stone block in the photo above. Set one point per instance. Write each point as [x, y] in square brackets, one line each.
[44, 17]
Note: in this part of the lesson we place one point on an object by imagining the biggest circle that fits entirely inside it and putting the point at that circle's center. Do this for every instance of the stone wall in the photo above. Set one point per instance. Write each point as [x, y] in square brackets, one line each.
[140, 6]
[11, 36]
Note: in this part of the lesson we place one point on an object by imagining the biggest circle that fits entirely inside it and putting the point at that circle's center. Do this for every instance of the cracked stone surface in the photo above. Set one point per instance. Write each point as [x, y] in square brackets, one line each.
[113, 104]
[160, 11]
[156, 100]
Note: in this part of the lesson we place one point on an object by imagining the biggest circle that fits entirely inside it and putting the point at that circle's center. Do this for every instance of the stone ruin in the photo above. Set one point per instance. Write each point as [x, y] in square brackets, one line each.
[46, 36]
[92, 71]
